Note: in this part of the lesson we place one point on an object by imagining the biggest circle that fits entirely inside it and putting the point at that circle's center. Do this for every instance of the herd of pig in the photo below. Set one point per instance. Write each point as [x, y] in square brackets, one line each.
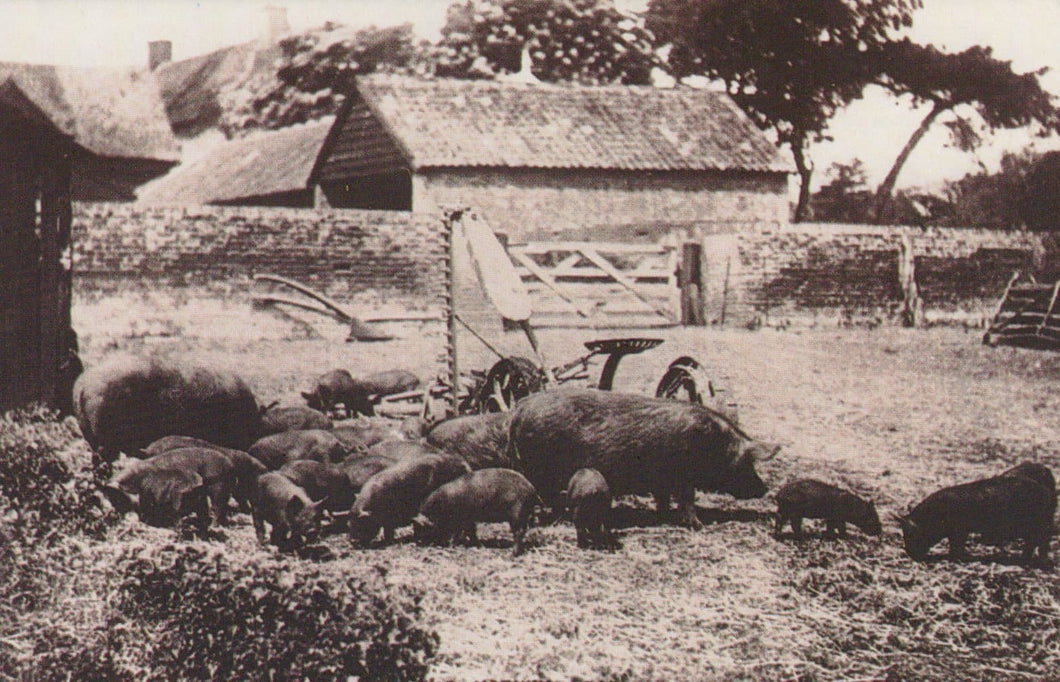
[195, 439]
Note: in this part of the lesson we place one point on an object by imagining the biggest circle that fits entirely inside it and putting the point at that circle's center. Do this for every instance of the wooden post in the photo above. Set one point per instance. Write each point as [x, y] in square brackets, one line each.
[912, 305]
[453, 370]
[690, 282]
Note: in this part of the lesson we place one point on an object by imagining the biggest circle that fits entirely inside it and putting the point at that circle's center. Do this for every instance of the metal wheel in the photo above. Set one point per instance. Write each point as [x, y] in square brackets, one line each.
[685, 380]
[508, 381]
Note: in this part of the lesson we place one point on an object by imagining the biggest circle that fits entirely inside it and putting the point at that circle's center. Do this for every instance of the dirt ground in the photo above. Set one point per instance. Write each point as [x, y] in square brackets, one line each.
[891, 413]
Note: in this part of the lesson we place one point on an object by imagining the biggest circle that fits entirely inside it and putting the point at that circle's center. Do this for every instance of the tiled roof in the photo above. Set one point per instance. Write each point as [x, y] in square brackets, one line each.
[258, 165]
[110, 112]
[445, 123]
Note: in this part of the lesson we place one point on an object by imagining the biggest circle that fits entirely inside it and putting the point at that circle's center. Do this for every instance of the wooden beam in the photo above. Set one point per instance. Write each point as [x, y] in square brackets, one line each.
[548, 281]
[602, 263]
[1049, 310]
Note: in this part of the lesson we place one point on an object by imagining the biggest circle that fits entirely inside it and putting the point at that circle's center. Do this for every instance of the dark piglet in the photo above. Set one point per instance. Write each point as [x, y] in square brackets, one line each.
[481, 439]
[247, 469]
[364, 432]
[488, 495]
[392, 497]
[162, 497]
[589, 498]
[322, 482]
[999, 509]
[357, 395]
[358, 468]
[277, 419]
[812, 499]
[293, 516]
[125, 403]
[640, 444]
[280, 448]
[215, 469]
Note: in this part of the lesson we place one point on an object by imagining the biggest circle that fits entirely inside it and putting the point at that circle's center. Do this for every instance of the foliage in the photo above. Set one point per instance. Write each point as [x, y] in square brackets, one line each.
[315, 72]
[975, 79]
[217, 620]
[1040, 196]
[789, 64]
[47, 488]
[587, 41]
[844, 199]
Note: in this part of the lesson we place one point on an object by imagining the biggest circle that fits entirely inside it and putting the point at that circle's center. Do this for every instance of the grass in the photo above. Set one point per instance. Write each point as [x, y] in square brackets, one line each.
[892, 413]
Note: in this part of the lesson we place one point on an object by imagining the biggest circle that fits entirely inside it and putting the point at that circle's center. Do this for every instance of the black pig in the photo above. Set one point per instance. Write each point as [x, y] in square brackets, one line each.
[217, 472]
[359, 468]
[999, 508]
[392, 497]
[162, 497]
[322, 481]
[489, 495]
[247, 468]
[295, 519]
[481, 439]
[811, 499]
[589, 498]
[280, 448]
[640, 444]
[277, 419]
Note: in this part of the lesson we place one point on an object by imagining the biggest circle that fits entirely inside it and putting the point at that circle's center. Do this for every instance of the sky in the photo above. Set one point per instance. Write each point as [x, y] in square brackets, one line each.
[114, 33]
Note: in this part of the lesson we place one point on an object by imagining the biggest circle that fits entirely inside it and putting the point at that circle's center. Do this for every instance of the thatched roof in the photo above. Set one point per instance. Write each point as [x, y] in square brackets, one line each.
[109, 112]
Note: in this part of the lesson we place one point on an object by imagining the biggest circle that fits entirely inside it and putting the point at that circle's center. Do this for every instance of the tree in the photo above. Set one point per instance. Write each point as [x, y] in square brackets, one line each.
[586, 41]
[846, 198]
[972, 79]
[991, 200]
[316, 72]
[790, 64]
[1039, 204]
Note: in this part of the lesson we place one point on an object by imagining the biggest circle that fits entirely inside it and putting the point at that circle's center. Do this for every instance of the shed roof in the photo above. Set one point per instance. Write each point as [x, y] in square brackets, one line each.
[452, 123]
[261, 164]
[109, 112]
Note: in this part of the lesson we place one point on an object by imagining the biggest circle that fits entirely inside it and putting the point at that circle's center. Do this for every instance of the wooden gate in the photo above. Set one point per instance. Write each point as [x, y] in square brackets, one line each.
[600, 284]
[35, 335]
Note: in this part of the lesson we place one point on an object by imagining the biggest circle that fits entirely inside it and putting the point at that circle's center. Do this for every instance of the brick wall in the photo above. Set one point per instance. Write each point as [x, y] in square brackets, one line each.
[580, 204]
[782, 272]
[337, 251]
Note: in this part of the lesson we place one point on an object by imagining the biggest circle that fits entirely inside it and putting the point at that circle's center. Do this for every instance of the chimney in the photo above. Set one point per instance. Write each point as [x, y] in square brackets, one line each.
[276, 24]
[158, 53]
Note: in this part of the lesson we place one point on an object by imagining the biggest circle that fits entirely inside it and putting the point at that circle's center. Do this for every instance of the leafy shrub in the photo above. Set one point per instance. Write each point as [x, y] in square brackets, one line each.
[270, 619]
[47, 486]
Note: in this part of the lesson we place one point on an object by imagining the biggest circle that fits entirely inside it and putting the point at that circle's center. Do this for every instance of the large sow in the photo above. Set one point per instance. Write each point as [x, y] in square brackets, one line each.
[481, 439]
[640, 445]
[126, 403]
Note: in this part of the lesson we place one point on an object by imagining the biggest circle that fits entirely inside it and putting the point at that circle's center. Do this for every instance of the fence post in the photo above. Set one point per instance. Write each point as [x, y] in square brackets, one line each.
[690, 282]
[912, 304]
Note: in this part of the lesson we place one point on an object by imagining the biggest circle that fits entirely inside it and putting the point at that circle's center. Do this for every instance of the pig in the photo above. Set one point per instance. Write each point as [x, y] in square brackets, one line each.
[640, 444]
[216, 470]
[316, 444]
[359, 468]
[322, 481]
[481, 439]
[488, 495]
[277, 419]
[364, 432]
[294, 517]
[247, 468]
[357, 395]
[162, 497]
[392, 497]
[414, 428]
[125, 403]
[812, 499]
[395, 448]
[1034, 471]
[589, 498]
[999, 508]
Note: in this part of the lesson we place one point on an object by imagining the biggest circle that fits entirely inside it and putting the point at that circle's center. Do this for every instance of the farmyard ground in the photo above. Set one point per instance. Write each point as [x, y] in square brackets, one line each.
[892, 413]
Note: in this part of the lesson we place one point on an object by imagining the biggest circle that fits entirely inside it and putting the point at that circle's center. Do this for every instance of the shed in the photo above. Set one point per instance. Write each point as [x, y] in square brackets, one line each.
[115, 118]
[267, 168]
[35, 158]
[544, 159]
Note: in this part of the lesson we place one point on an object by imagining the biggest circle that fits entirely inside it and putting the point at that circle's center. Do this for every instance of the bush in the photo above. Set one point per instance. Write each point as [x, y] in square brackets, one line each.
[270, 619]
[47, 486]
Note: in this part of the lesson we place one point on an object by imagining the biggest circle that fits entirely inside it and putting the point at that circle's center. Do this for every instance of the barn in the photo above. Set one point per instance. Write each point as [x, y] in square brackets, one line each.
[547, 160]
[121, 135]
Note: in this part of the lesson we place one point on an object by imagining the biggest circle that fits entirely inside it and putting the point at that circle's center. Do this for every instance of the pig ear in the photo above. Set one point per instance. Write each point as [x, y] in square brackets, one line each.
[422, 521]
[294, 505]
[307, 396]
[766, 451]
[265, 408]
[318, 504]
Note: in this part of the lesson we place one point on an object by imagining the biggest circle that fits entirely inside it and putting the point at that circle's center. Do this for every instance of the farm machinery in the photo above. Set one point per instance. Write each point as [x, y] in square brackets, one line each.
[511, 377]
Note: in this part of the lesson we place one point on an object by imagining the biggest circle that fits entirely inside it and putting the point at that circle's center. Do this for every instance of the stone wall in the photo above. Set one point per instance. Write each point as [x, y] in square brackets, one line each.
[339, 252]
[583, 204]
[778, 273]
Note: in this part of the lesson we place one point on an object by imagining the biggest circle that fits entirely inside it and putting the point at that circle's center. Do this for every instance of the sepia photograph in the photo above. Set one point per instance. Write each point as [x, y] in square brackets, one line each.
[561, 340]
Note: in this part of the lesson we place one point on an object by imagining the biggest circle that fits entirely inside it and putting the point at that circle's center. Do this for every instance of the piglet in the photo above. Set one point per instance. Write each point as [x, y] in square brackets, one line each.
[812, 499]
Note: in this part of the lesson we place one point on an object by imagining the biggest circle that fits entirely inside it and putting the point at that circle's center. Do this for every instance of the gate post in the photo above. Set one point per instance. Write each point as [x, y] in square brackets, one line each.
[690, 282]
